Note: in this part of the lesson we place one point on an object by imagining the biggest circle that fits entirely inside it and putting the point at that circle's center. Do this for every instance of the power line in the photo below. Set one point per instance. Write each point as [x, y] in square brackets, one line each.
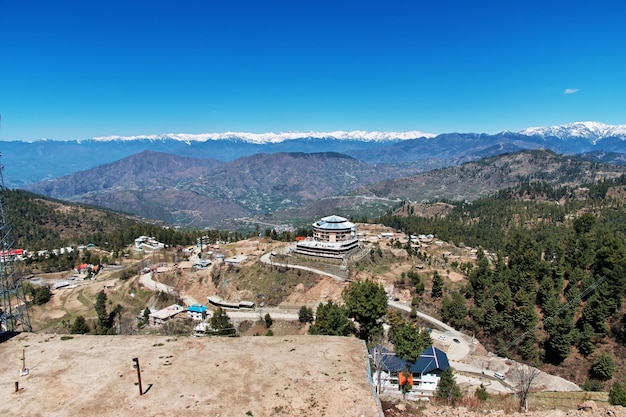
[565, 306]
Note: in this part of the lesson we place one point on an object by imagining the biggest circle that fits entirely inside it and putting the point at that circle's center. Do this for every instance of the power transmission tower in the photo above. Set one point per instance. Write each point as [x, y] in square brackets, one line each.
[13, 311]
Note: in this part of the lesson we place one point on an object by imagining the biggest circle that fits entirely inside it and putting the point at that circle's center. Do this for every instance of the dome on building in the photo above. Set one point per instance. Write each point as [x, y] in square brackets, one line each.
[333, 223]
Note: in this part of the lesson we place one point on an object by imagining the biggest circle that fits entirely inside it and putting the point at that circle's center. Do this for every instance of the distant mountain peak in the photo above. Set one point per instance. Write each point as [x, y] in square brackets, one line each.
[271, 137]
[593, 131]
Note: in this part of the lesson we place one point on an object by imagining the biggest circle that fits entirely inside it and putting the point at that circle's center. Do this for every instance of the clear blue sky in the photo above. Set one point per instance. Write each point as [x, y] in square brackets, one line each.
[79, 69]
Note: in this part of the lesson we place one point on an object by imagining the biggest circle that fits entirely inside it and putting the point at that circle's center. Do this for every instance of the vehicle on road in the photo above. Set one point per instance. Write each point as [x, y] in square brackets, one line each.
[455, 340]
[499, 375]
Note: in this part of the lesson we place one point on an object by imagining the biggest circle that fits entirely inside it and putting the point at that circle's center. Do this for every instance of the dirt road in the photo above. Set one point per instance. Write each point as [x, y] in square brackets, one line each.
[147, 281]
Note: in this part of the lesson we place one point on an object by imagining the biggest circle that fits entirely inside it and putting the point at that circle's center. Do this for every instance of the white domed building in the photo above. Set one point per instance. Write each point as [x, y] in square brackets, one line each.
[333, 237]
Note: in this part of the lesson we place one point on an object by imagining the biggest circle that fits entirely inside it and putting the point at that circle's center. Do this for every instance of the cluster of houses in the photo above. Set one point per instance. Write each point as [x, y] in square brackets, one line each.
[81, 272]
[197, 312]
[18, 254]
[23, 254]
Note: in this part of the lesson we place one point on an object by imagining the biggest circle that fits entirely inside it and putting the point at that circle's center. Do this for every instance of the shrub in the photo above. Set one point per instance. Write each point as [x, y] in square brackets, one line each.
[41, 295]
[617, 394]
[305, 315]
[481, 393]
[79, 326]
[593, 385]
[602, 368]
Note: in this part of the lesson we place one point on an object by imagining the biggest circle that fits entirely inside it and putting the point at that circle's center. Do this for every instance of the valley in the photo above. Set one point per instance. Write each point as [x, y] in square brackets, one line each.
[228, 181]
[290, 188]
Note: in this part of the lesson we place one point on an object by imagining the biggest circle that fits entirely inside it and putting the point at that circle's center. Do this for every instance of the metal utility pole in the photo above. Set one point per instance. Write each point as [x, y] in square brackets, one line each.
[13, 311]
[136, 360]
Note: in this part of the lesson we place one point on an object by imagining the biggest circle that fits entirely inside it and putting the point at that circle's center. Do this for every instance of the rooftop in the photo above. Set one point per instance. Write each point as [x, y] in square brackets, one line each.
[333, 223]
[429, 360]
[168, 312]
[197, 308]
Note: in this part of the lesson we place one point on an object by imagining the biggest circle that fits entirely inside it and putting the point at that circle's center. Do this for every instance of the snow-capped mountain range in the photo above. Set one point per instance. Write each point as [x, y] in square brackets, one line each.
[593, 131]
[271, 137]
[30, 162]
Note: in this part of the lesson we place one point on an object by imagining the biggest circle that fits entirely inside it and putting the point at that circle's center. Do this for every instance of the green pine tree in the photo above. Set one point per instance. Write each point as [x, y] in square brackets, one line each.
[448, 390]
[437, 290]
[220, 324]
[410, 341]
[305, 315]
[617, 394]
[366, 302]
[331, 320]
[79, 326]
[603, 368]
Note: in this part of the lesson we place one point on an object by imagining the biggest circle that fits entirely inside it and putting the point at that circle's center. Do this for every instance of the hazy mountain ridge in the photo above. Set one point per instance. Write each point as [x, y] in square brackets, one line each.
[480, 178]
[283, 186]
[185, 191]
[143, 170]
[29, 162]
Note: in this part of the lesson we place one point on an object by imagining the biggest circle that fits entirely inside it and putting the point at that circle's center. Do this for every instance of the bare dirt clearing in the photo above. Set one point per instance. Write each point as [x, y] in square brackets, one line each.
[259, 376]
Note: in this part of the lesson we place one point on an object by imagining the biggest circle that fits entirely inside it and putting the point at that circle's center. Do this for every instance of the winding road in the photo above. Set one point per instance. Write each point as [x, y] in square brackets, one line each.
[267, 259]
[150, 284]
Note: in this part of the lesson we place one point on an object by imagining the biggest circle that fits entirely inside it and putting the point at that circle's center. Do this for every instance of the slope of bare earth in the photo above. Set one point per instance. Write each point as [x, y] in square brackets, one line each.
[259, 376]
[583, 409]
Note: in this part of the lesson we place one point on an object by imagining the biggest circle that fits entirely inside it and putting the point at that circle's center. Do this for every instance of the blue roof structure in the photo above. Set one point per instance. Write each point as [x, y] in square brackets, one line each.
[431, 360]
[197, 308]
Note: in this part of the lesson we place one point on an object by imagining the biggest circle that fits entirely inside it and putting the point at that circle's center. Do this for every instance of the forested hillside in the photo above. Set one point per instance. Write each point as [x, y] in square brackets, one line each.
[550, 277]
[41, 223]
